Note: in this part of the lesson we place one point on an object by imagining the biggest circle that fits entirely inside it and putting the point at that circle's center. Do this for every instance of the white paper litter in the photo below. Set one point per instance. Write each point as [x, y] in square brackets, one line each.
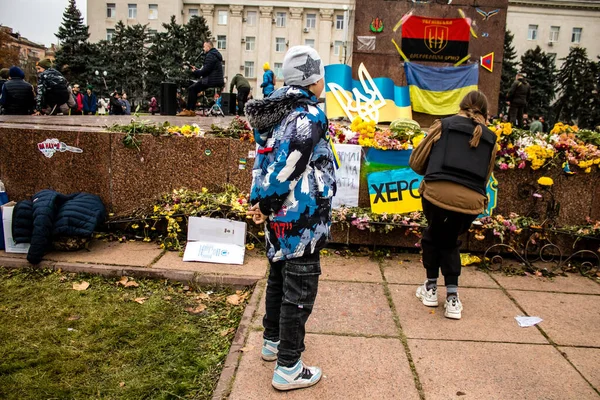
[525, 322]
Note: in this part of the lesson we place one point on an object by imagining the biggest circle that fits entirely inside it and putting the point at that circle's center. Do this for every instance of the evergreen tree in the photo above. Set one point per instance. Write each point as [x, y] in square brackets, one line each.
[72, 57]
[541, 75]
[577, 81]
[509, 70]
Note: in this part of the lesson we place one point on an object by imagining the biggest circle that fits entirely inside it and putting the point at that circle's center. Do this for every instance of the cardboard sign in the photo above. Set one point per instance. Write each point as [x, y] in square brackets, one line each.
[9, 244]
[395, 191]
[348, 175]
[215, 240]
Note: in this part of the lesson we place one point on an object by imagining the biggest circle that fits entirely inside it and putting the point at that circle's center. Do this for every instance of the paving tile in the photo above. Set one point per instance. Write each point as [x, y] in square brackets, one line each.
[574, 283]
[347, 308]
[353, 368]
[569, 319]
[362, 269]
[495, 371]
[413, 273]
[255, 265]
[488, 315]
[586, 361]
[12, 255]
[138, 254]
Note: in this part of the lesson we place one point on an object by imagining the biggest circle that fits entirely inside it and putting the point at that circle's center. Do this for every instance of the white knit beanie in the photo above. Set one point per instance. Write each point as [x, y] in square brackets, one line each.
[302, 66]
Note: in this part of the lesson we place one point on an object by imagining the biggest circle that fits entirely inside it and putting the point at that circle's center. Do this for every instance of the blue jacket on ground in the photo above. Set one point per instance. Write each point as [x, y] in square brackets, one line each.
[294, 174]
[268, 85]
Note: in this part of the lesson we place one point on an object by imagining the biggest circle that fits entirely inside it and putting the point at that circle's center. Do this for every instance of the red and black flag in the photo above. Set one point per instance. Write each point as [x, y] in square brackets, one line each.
[435, 39]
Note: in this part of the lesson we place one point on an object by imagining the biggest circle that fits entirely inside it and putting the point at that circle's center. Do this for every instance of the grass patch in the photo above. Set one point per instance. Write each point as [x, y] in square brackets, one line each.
[59, 343]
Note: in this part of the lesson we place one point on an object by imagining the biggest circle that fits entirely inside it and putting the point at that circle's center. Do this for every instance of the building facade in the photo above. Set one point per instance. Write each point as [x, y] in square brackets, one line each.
[247, 33]
[28, 50]
[555, 26]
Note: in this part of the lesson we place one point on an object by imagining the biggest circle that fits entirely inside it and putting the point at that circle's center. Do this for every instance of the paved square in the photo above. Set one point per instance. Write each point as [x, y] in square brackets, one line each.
[586, 361]
[574, 283]
[413, 273]
[133, 254]
[569, 319]
[488, 315]
[361, 368]
[358, 269]
[496, 371]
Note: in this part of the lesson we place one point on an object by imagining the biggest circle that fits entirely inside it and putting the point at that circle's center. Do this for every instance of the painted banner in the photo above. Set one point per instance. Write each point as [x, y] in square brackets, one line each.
[376, 99]
[438, 91]
[382, 160]
[348, 175]
[395, 191]
[435, 39]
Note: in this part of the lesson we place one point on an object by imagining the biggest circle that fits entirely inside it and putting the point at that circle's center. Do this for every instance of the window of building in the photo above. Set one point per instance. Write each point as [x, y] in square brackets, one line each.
[532, 32]
[153, 11]
[278, 70]
[111, 10]
[311, 21]
[250, 43]
[192, 12]
[251, 18]
[109, 34]
[309, 42]
[576, 35]
[222, 42]
[339, 22]
[222, 17]
[249, 69]
[132, 11]
[279, 45]
[337, 47]
[554, 31]
[280, 20]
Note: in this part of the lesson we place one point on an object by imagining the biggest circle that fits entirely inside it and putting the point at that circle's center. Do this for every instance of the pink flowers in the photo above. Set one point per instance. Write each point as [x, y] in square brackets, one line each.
[503, 166]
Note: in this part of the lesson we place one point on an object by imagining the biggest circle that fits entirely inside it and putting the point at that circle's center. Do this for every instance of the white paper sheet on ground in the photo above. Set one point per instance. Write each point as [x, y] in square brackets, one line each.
[525, 322]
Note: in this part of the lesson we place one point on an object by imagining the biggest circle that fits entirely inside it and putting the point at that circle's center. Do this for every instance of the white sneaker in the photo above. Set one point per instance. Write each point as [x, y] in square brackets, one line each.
[453, 308]
[428, 297]
[295, 377]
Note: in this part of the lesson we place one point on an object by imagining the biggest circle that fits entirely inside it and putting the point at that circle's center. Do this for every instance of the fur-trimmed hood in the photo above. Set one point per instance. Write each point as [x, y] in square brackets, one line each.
[264, 114]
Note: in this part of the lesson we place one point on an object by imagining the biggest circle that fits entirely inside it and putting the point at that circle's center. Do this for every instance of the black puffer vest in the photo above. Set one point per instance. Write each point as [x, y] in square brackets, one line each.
[453, 159]
[19, 97]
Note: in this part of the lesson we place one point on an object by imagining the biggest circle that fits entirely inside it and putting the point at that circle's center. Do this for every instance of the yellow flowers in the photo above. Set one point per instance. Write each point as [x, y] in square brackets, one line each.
[417, 140]
[502, 128]
[586, 164]
[204, 190]
[186, 131]
[250, 246]
[364, 128]
[545, 181]
[560, 128]
[538, 155]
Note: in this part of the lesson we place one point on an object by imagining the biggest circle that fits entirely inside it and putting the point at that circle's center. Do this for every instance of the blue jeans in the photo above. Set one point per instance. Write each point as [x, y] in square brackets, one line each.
[291, 292]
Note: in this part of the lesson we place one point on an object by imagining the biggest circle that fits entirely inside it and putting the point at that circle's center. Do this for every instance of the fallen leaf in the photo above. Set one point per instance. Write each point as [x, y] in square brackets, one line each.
[167, 298]
[197, 310]
[538, 273]
[226, 332]
[121, 384]
[247, 348]
[62, 278]
[233, 299]
[132, 284]
[140, 300]
[81, 286]
[202, 296]
[186, 288]
[74, 318]
[459, 393]
[123, 281]
[432, 312]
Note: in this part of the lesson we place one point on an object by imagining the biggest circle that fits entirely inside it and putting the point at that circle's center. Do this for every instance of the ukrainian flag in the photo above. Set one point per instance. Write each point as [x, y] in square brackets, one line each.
[397, 97]
[438, 91]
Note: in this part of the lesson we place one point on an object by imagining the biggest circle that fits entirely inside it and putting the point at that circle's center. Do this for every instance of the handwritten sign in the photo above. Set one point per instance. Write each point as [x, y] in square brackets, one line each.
[395, 191]
[348, 175]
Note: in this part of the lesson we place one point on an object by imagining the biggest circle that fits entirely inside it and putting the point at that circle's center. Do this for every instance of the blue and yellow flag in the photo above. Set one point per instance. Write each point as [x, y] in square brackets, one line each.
[438, 91]
[396, 98]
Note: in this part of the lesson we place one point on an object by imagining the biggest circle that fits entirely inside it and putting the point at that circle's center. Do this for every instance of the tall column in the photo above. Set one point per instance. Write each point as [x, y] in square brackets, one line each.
[265, 46]
[324, 44]
[207, 11]
[295, 29]
[234, 43]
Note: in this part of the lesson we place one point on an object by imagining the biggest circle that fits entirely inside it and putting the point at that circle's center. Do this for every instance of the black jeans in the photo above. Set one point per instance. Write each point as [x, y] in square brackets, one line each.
[291, 292]
[515, 115]
[440, 242]
[193, 94]
[242, 98]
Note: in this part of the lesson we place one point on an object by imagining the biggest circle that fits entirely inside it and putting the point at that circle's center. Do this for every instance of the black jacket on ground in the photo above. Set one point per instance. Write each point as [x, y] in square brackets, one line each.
[212, 69]
[17, 97]
[519, 93]
[50, 215]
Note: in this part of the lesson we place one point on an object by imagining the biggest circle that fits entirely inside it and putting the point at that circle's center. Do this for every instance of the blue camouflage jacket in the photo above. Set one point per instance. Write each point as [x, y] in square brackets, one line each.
[294, 174]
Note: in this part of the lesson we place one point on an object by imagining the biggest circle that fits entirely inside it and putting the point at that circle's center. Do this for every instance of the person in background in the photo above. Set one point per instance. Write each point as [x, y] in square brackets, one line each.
[126, 105]
[78, 96]
[52, 90]
[456, 158]
[536, 125]
[102, 106]
[18, 97]
[292, 190]
[545, 127]
[90, 103]
[243, 90]
[518, 98]
[268, 85]
[3, 77]
[116, 107]
[153, 106]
